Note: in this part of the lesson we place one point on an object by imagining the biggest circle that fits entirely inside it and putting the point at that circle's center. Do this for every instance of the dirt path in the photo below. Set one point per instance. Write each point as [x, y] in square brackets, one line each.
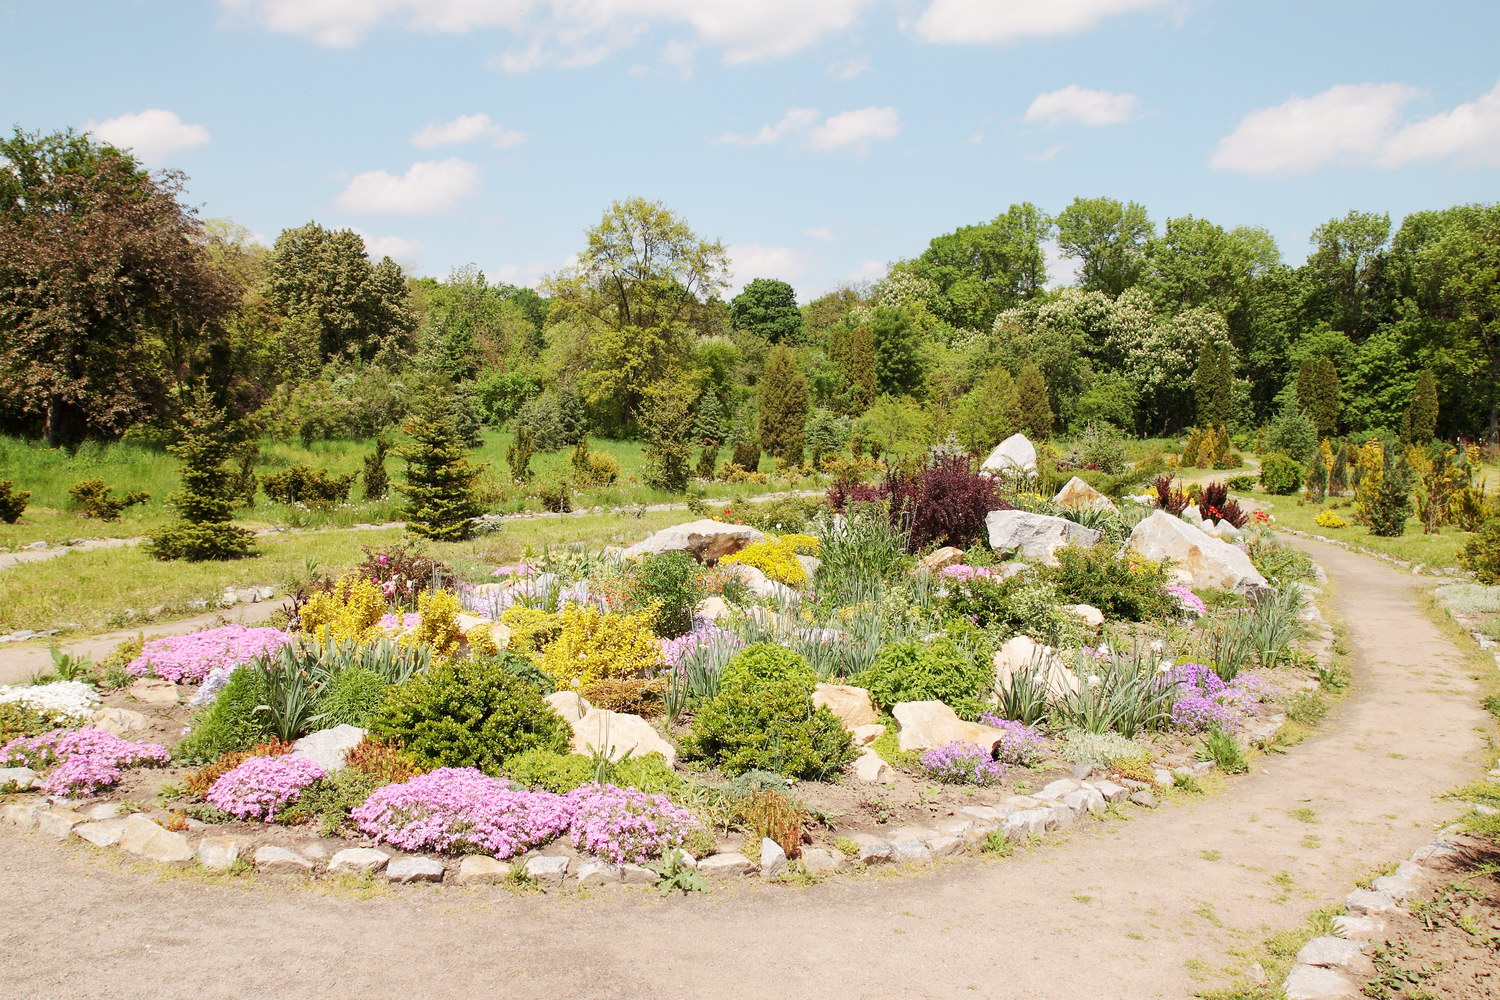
[1132, 909]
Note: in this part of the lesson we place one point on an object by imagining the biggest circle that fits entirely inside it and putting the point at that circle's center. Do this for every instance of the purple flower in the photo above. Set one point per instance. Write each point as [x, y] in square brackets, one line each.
[1206, 702]
[187, 658]
[625, 824]
[85, 761]
[262, 786]
[460, 810]
[1191, 603]
[962, 571]
[963, 764]
[703, 633]
[1021, 745]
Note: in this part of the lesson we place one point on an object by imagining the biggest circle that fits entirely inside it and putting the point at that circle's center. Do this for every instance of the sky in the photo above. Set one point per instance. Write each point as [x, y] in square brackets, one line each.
[819, 140]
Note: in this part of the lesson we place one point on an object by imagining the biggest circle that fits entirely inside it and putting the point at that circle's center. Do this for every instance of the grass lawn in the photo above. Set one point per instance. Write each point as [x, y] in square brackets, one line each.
[120, 588]
[48, 473]
[1432, 550]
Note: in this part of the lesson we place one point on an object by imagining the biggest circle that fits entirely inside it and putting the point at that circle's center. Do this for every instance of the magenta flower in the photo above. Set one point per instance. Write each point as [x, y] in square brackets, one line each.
[188, 658]
[625, 824]
[963, 764]
[461, 810]
[262, 786]
[84, 761]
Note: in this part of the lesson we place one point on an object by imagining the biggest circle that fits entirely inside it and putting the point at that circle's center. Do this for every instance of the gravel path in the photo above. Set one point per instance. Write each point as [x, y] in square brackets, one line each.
[1149, 907]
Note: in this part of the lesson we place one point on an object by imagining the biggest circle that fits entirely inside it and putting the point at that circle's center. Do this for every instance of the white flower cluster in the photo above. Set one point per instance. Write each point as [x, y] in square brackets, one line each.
[73, 700]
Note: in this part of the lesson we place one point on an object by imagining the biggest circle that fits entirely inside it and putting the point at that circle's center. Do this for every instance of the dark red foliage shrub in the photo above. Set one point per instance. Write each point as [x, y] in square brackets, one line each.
[943, 503]
[404, 571]
[1214, 504]
[1171, 499]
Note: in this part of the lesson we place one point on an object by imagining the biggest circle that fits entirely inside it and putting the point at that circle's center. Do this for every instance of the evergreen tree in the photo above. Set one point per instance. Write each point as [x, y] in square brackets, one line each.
[441, 482]
[518, 455]
[667, 421]
[708, 422]
[1338, 472]
[825, 434]
[1420, 420]
[783, 406]
[377, 482]
[989, 413]
[1033, 403]
[861, 370]
[1318, 393]
[210, 489]
[899, 365]
[1317, 477]
[1213, 385]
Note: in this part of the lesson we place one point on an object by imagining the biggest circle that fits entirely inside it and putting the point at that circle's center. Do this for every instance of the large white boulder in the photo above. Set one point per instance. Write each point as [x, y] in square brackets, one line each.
[758, 584]
[852, 705]
[616, 733]
[925, 724]
[1024, 655]
[707, 540]
[1016, 454]
[1078, 495]
[1035, 536]
[1198, 559]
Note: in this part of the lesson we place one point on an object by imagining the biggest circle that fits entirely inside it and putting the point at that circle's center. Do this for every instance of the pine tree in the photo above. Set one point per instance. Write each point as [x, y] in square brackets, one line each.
[1318, 393]
[210, 489]
[377, 482]
[1034, 403]
[1420, 420]
[440, 480]
[1213, 385]
[783, 406]
[518, 455]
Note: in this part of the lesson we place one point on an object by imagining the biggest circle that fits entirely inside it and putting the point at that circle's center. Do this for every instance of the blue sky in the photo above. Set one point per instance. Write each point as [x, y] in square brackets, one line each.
[820, 139]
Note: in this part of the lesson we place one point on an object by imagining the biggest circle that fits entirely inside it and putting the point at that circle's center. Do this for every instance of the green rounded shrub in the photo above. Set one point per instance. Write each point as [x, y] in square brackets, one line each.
[1481, 553]
[468, 714]
[1280, 475]
[764, 662]
[352, 697]
[918, 670]
[674, 580]
[231, 722]
[521, 667]
[1121, 588]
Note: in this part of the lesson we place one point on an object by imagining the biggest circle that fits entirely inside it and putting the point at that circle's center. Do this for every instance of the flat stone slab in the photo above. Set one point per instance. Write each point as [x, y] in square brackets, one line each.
[405, 870]
[357, 861]
[547, 869]
[327, 746]
[598, 873]
[151, 840]
[20, 779]
[219, 853]
[101, 832]
[1310, 982]
[1369, 901]
[281, 861]
[726, 865]
[57, 822]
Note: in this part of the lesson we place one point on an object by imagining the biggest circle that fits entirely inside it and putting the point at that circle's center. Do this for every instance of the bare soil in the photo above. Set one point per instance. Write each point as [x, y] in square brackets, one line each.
[1153, 906]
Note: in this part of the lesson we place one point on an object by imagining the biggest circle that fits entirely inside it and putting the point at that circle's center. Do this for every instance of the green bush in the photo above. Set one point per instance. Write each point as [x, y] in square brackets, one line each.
[1280, 474]
[788, 514]
[522, 667]
[17, 719]
[329, 801]
[1021, 605]
[92, 498]
[210, 489]
[916, 670]
[313, 487]
[1123, 589]
[468, 714]
[12, 501]
[352, 697]
[1389, 504]
[674, 580]
[1480, 555]
[763, 717]
[231, 722]
[563, 772]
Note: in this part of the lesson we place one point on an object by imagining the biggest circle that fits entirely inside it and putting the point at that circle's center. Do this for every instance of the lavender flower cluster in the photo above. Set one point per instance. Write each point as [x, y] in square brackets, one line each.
[626, 824]
[543, 590]
[962, 571]
[262, 786]
[84, 761]
[461, 810]
[963, 764]
[703, 633]
[179, 658]
[1206, 702]
[1021, 746]
[1191, 603]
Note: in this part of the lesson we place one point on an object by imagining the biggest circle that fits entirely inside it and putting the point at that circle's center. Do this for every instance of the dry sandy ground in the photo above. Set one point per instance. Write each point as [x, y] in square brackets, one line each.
[1149, 907]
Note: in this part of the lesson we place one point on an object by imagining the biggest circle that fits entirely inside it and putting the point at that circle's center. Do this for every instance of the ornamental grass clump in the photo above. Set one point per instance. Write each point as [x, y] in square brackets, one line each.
[625, 824]
[83, 761]
[1021, 746]
[461, 811]
[961, 763]
[189, 658]
[263, 786]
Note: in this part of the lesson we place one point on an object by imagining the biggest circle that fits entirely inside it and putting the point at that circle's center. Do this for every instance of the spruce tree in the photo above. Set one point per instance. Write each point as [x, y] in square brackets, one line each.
[518, 455]
[1034, 403]
[783, 406]
[1420, 420]
[1318, 393]
[989, 413]
[1317, 477]
[210, 489]
[377, 481]
[1213, 385]
[441, 495]
[667, 421]
[708, 422]
[1338, 472]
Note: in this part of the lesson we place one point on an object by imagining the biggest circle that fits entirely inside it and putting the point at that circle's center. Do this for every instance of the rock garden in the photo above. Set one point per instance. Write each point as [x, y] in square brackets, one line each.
[941, 663]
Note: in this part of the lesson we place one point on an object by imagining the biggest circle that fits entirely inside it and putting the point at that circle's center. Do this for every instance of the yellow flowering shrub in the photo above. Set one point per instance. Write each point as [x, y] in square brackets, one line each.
[481, 641]
[1328, 519]
[774, 557]
[438, 628]
[805, 545]
[599, 645]
[350, 611]
[530, 628]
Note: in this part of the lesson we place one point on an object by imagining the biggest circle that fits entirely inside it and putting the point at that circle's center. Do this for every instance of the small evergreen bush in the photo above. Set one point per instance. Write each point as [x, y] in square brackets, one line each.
[469, 714]
[563, 772]
[518, 455]
[12, 501]
[918, 670]
[210, 490]
[673, 582]
[1388, 505]
[352, 697]
[92, 498]
[231, 721]
[377, 480]
[440, 480]
[1132, 590]
[1480, 555]
[1280, 475]
[313, 487]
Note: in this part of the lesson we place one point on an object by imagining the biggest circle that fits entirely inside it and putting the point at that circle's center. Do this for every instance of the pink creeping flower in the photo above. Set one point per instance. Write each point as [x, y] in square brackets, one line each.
[189, 658]
[262, 786]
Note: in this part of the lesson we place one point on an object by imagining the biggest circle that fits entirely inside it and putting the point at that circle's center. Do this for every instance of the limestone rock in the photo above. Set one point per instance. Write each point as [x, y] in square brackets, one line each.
[598, 873]
[571, 705]
[1365, 928]
[119, 721]
[405, 870]
[873, 850]
[809, 565]
[871, 768]
[910, 849]
[758, 584]
[1400, 884]
[618, 732]
[725, 865]
[865, 735]
[327, 746]
[772, 858]
[547, 869]
[281, 861]
[1198, 560]
[851, 704]
[707, 540]
[57, 822]
[357, 861]
[1079, 495]
[1369, 901]
[1091, 616]
[945, 846]
[101, 832]
[1023, 654]
[1222, 530]
[1111, 791]
[634, 874]
[154, 691]
[1310, 982]
[218, 853]
[1035, 536]
[141, 836]
[1336, 953]
[939, 559]
[925, 724]
[711, 609]
[1144, 798]
[817, 861]
[1015, 455]
[477, 869]
[21, 815]
[20, 779]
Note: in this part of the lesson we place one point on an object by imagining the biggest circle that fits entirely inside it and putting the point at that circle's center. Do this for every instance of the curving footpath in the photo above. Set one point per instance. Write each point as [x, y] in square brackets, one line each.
[1149, 907]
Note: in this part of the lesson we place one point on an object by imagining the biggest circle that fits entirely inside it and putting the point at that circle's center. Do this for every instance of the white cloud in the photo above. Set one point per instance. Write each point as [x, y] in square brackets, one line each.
[430, 186]
[821, 233]
[748, 261]
[398, 248]
[1049, 153]
[153, 135]
[848, 69]
[1360, 125]
[999, 21]
[523, 275]
[680, 57]
[1079, 104]
[465, 129]
[853, 130]
[870, 270]
[566, 32]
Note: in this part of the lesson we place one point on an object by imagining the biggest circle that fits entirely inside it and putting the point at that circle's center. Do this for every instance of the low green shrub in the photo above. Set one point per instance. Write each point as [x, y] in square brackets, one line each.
[1022, 604]
[1480, 555]
[521, 667]
[352, 697]
[939, 670]
[673, 581]
[787, 514]
[17, 719]
[469, 714]
[1099, 749]
[230, 722]
[1132, 590]
[1280, 475]
[12, 501]
[329, 801]
[201, 542]
[1221, 748]
[763, 717]
[92, 498]
[313, 487]
[563, 772]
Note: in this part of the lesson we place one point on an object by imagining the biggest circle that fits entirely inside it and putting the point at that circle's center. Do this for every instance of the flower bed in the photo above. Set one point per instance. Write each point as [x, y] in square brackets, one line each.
[188, 658]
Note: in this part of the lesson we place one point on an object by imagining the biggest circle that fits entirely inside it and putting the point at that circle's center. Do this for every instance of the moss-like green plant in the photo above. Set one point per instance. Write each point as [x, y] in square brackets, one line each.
[231, 722]
[352, 697]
